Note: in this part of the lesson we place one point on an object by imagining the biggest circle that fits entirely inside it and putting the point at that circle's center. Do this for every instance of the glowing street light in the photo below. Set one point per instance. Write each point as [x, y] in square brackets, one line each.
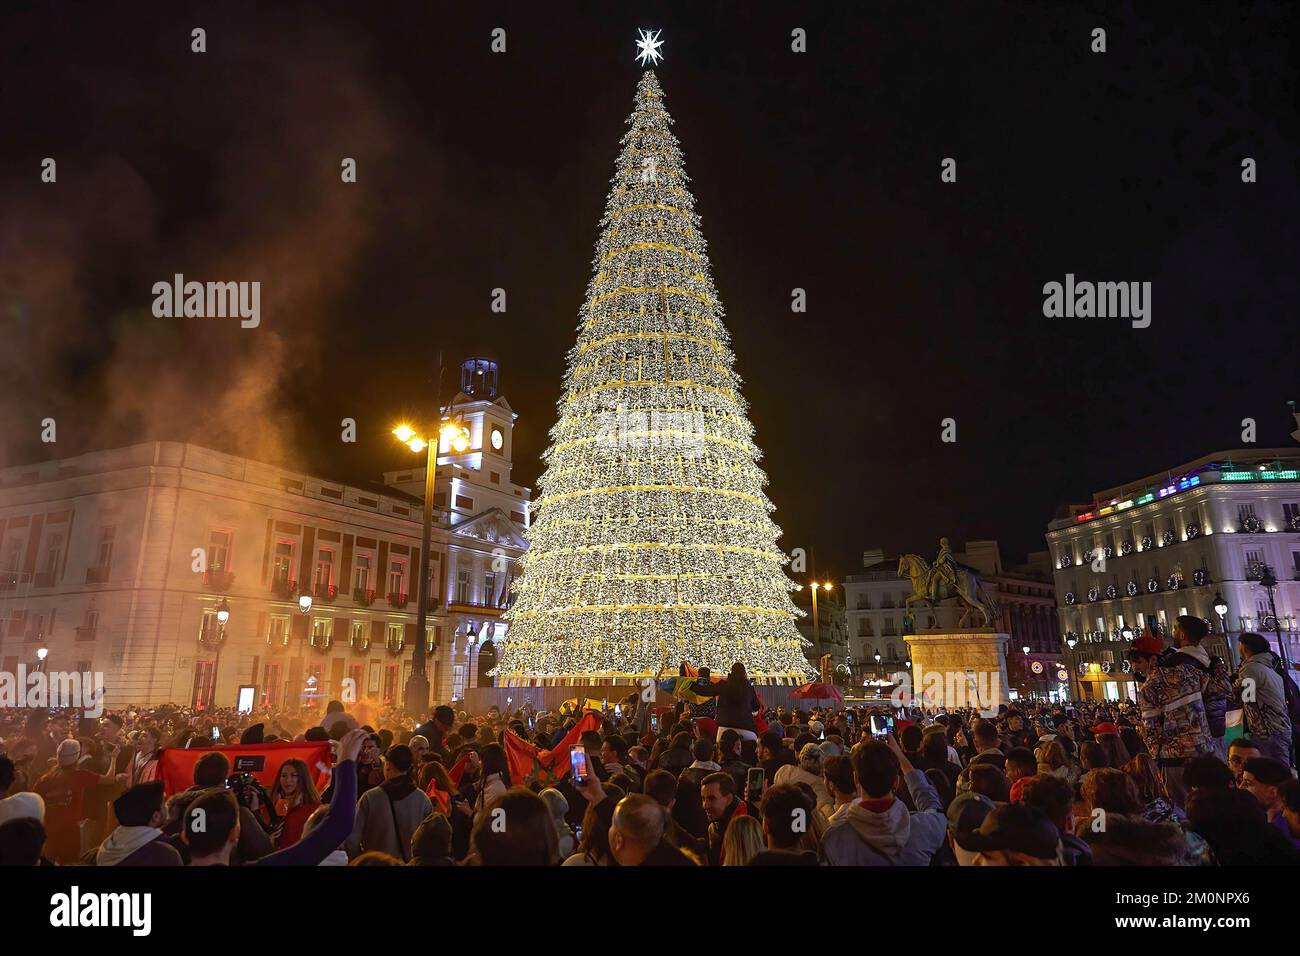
[304, 603]
[813, 586]
[223, 613]
[456, 435]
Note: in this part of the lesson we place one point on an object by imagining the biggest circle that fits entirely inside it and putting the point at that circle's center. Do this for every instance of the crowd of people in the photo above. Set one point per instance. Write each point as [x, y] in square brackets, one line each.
[717, 779]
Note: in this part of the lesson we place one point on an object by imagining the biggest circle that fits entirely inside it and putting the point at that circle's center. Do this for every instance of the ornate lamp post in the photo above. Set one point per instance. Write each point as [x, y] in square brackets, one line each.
[1269, 581]
[456, 436]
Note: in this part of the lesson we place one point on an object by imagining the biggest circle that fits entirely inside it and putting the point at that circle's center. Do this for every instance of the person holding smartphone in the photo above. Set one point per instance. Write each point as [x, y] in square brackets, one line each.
[878, 830]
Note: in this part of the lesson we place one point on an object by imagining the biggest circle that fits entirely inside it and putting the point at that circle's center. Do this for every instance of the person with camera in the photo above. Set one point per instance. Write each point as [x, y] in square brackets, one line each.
[211, 772]
[211, 824]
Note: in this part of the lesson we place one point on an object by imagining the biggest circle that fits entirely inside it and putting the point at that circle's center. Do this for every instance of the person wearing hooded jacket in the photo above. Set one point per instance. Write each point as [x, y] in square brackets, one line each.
[1189, 631]
[388, 815]
[878, 829]
[1258, 687]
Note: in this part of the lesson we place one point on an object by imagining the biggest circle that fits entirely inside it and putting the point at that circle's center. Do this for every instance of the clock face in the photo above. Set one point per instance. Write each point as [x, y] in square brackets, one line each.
[497, 439]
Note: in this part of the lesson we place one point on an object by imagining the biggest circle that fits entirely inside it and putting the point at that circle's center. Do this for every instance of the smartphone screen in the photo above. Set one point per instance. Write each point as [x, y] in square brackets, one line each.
[881, 726]
[216, 733]
[754, 786]
[578, 763]
[618, 710]
[654, 723]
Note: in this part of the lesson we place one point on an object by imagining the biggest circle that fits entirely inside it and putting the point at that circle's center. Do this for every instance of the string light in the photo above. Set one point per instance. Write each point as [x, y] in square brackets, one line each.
[651, 539]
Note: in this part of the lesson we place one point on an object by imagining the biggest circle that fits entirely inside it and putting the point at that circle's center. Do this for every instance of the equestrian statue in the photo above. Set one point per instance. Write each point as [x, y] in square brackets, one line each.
[944, 579]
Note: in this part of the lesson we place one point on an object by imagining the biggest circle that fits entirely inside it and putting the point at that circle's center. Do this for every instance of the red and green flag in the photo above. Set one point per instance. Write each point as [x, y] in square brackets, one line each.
[529, 764]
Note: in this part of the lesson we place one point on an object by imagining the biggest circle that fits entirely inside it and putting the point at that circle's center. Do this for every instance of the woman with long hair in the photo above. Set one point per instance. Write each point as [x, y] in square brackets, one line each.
[1153, 798]
[493, 779]
[1092, 756]
[1053, 759]
[737, 702]
[1117, 754]
[293, 799]
[436, 783]
[743, 841]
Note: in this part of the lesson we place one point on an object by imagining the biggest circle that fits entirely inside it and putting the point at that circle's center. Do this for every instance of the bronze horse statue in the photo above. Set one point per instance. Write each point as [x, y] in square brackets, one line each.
[931, 588]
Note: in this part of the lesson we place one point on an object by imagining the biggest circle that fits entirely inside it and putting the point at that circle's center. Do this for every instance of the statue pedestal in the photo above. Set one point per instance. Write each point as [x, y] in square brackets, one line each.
[959, 668]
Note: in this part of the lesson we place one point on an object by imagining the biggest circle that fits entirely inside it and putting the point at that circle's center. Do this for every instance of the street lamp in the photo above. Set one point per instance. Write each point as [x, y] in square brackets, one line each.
[304, 603]
[42, 652]
[456, 437]
[817, 632]
[1269, 581]
[223, 613]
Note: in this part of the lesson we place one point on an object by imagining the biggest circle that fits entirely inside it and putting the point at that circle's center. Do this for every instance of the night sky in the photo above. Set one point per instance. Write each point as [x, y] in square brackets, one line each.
[818, 171]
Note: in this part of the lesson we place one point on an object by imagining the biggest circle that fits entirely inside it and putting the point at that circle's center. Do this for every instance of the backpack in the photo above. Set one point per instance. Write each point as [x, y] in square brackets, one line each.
[1292, 693]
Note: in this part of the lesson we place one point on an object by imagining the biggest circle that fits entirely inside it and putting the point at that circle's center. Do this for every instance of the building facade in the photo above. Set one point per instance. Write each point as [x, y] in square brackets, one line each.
[1179, 542]
[184, 574]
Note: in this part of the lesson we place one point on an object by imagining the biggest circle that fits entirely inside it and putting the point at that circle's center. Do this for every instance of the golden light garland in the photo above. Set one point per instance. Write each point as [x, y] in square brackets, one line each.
[652, 539]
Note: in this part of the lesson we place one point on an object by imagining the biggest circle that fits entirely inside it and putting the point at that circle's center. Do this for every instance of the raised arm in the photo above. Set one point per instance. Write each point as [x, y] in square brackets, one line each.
[342, 813]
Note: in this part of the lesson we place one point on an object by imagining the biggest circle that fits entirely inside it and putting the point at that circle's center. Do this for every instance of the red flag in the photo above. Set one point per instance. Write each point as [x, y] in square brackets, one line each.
[527, 763]
[263, 761]
[458, 768]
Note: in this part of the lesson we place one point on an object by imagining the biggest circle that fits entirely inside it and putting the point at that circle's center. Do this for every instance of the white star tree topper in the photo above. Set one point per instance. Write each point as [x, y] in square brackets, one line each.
[649, 45]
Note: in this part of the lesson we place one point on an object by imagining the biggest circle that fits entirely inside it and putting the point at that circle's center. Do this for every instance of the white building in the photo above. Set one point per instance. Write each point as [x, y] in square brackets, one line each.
[1175, 543]
[120, 560]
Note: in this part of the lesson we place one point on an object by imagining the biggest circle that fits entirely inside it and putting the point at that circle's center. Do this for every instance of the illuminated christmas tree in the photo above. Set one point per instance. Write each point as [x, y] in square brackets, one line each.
[651, 539]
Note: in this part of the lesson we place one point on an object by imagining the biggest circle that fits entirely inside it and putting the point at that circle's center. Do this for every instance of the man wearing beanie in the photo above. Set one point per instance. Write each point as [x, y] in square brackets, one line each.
[63, 789]
[388, 815]
[436, 729]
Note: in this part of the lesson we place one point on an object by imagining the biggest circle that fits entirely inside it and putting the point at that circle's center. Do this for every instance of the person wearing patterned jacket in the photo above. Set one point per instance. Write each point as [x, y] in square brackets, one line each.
[1172, 707]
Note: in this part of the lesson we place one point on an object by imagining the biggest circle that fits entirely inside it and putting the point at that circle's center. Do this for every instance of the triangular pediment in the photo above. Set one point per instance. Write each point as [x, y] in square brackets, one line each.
[493, 526]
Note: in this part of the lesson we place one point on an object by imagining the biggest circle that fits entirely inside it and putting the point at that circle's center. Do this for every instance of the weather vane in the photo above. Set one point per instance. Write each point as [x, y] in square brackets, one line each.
[649, 46]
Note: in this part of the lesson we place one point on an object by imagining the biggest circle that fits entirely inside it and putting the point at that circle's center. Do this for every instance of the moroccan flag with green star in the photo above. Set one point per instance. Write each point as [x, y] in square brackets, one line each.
[547, 767]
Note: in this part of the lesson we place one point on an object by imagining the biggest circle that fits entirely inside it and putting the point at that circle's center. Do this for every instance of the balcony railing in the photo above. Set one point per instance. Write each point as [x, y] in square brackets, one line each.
[97, 575]
[395, 646]
[398, 599]
[44, 580]
[218, 579]
[213, 634]
[325, 592]
[284, 588]
[363, 596]
[85, 633]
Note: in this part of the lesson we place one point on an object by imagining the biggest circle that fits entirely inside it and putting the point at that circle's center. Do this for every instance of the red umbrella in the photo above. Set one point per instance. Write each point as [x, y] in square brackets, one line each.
[817, 692]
